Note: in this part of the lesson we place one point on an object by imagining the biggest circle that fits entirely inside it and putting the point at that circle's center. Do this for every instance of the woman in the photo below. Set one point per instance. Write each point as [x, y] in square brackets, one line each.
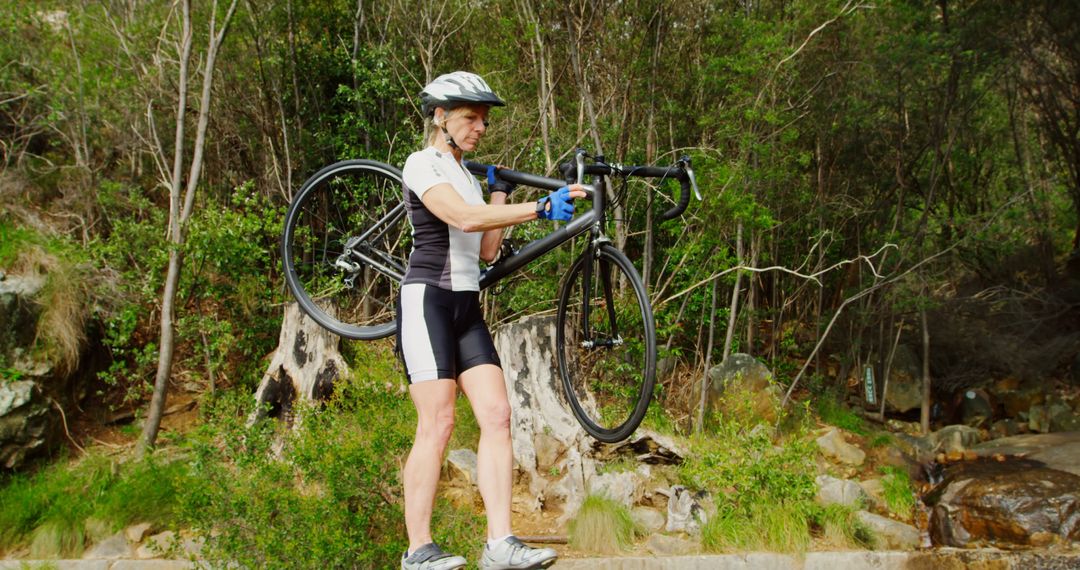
[441, 332]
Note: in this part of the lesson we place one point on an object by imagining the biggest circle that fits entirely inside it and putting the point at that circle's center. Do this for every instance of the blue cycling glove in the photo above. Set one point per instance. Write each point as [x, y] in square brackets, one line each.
[558, 206]
[496, 185]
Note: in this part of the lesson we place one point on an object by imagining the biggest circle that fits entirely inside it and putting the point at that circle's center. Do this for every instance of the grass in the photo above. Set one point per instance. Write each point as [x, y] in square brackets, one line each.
[55, 511]
[840, 528]
[602, 526]
[899, 493]
[63, 298]
[833, 412]
[781, 527]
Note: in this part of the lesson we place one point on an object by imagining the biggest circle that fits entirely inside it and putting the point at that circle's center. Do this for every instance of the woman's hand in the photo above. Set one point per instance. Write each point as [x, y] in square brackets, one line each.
[496, 185]
[559, 205]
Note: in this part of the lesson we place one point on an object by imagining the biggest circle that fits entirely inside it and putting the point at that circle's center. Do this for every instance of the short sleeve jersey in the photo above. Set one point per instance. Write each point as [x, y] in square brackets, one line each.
[442, 255]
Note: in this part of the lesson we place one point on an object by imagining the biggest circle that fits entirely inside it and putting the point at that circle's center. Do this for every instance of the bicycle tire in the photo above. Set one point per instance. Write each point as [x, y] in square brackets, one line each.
[350, 293]
[609, 384]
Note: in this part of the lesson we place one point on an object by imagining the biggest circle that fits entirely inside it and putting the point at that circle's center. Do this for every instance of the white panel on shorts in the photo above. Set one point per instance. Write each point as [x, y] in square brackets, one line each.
[418, 353]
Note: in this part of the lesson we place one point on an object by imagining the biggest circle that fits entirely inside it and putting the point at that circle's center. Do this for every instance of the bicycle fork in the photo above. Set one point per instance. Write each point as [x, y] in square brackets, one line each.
[591, 254]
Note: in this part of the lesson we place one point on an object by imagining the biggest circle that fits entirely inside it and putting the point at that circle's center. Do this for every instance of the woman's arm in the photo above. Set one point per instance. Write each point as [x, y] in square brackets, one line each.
[447, 205]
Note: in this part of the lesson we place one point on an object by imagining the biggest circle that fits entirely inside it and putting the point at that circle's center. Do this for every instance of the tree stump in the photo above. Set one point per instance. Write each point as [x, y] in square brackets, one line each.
[305, 365]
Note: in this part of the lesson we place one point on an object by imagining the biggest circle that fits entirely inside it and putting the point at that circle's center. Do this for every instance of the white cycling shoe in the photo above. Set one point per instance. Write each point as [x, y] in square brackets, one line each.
[431, 557]
[512, 554]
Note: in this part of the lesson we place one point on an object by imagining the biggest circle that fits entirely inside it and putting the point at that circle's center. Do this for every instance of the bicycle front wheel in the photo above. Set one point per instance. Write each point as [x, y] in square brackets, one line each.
[606, 344]
[345, 246]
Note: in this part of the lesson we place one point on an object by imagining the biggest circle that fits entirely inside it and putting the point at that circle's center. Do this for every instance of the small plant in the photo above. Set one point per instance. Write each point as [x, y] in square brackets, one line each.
[832, 411]
[603, 526]
[840, 528]
[759, 525]
[899, 494]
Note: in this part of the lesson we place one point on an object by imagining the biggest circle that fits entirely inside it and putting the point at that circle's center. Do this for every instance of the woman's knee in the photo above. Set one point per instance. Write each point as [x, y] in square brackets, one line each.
[437, 428]
[494, 418]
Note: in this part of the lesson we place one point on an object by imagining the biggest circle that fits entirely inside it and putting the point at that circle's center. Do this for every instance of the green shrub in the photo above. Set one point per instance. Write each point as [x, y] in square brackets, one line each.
[50, 510]
[602, 525]
[840, 528]
[899, 494]
[327, 490]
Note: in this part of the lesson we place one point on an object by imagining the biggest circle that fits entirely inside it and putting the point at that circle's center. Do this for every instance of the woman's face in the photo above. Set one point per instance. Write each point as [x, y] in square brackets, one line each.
[467, 125]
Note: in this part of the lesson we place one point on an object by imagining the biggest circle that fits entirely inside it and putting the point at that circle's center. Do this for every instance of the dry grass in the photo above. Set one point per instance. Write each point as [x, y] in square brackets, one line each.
[61, 331]
[603, 526]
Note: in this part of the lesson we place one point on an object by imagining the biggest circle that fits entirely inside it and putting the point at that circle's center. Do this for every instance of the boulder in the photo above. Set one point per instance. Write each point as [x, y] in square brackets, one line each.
[461, 467]
[28, 423]
[890, 534]
[954, 438]
[685, 510]
[112, 548]
[664, 545]
[833, 446]
[833, 491]
[649, 519]
[1005, 504]
[1059, 451]
[976, 408]
[904, 392]
[741, 382]
[624, 487]
[18, 314]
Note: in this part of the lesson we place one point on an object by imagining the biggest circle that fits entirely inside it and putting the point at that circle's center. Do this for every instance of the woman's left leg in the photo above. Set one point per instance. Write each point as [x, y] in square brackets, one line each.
[486, 390]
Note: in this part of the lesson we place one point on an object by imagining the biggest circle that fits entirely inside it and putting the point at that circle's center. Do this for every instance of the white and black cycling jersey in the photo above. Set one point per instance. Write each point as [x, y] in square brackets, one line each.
[443, 256]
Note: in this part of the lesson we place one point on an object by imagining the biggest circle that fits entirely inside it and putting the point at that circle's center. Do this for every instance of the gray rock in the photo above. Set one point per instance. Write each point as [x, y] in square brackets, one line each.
[1059, 451]
[954, 438]
[975, 408]
[833, 446]
[741, 373]
[18, 313]
[833, 491]
[112, 548]
[892, 535]
[875, 491]
[685, 512]
[1039, 419]
[905, 381]
[664, 545]
[1062, 417]
[157, 546]
[28, 423]
[548, 451]
[461, 466]
[649, 519]
[624, 487]
[135, 533]
[1004, 428]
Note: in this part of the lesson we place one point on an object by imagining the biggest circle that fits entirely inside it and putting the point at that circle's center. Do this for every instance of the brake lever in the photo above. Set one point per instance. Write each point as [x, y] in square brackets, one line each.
[684, 163]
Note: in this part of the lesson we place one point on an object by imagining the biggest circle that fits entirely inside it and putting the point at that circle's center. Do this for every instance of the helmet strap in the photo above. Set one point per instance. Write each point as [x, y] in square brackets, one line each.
[449, 139]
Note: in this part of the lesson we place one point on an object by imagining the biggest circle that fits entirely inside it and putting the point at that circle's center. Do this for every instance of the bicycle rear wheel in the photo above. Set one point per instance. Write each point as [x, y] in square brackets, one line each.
[606, 344]
[345, 247]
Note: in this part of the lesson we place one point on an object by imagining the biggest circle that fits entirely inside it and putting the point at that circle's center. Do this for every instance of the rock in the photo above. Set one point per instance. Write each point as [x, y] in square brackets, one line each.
[28, 423]
[461, 466]
[1005, 504]
[832, 444]
[1039, 419]
[875, 491]
[624, 487]
[739, 378]
[18, 313]
[954, 438]
[112, 548]
[833, 491]
[157, 546]
[1062, 417]
[1016, 402]
[644, 446]
[905, 381]
[891, 535]
[1004, 428]
[976, 408]
[649, 519]
[685, 512]
[1059, 451]
[136, 532]
[663, 545]
[548, 451]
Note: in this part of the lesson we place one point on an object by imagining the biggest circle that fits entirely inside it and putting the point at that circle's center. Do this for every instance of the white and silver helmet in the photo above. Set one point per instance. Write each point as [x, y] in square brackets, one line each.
[458, 88]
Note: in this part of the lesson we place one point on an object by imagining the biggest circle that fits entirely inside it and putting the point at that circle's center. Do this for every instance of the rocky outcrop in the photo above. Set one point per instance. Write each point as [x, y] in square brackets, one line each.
[741, 376]
[1005, 503]
[28, 423]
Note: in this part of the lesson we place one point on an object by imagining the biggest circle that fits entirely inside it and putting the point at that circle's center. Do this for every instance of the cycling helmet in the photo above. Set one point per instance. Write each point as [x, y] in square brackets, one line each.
[454, 89]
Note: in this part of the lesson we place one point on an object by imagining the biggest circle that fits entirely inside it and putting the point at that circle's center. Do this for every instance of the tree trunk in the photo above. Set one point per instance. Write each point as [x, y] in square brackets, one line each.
[179, 216]
[304, 367]
[925, 415]
[733, 315]
[699, 423]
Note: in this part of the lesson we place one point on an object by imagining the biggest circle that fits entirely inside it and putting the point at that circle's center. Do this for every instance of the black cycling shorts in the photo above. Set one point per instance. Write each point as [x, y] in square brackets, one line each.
[441, 333]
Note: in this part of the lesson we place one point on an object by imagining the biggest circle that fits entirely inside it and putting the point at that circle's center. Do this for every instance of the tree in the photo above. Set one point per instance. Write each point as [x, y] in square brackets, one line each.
[180, 213]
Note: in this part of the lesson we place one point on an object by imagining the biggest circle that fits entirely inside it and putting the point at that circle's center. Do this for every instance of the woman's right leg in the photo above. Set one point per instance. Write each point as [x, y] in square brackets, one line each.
[434, 400]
